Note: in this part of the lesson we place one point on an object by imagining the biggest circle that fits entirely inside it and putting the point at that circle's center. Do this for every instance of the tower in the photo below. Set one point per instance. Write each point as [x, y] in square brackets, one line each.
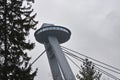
[52, 36]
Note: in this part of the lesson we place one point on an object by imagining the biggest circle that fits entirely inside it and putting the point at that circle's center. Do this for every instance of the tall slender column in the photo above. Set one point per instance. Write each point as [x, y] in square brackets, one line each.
[52, 36]
[53, 63]
[67, 72]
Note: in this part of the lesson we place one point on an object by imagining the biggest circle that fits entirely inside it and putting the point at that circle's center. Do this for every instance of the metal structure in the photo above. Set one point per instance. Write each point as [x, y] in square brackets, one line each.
[52, 36]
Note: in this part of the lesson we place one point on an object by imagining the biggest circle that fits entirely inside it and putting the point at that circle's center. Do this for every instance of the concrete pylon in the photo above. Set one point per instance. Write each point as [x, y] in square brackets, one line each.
[52, 36]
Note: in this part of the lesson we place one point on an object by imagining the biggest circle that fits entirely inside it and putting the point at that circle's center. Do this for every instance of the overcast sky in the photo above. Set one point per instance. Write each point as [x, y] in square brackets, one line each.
[95, 27]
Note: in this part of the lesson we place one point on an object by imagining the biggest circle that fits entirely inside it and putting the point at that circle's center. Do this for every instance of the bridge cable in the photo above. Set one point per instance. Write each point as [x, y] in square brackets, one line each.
[95, 63]
[73, 62]
[38, 57]
[91, 58]
[82, 60]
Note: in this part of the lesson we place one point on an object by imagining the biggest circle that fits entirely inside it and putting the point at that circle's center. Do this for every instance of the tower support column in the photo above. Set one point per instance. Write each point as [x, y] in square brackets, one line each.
[53, 63]
[52, 36]
[66, 70]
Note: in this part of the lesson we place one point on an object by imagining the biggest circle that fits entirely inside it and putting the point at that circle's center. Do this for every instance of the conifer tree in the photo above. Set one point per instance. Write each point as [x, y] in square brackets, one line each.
[16, 20]
[88, 71]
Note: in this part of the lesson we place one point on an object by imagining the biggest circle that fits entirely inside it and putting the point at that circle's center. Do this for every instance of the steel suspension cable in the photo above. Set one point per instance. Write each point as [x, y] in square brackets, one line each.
[106, 73]
[92, 59]
[72, 61]
[82, 60]
[38, 57]
[93, 63]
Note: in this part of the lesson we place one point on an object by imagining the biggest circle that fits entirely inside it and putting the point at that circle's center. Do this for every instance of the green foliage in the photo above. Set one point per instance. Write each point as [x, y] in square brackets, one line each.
[16, 20]
[88, 71]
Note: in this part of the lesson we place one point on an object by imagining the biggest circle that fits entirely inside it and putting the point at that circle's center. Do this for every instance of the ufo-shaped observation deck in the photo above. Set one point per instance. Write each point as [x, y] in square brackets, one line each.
[61, 33]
